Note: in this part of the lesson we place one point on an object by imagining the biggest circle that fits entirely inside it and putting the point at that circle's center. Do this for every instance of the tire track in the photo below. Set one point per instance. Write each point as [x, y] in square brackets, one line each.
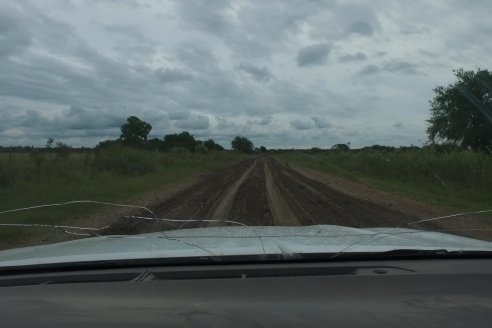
[194, 202]
[261, 191]
[325, 205]
[282, 214]
[222, 208]
[251, 202]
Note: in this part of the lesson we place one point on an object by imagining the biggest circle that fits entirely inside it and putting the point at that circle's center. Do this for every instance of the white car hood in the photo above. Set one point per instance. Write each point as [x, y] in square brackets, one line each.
[224, 241]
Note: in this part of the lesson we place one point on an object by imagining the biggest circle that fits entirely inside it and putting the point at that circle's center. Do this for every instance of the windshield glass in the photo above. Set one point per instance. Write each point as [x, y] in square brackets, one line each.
[335, 125]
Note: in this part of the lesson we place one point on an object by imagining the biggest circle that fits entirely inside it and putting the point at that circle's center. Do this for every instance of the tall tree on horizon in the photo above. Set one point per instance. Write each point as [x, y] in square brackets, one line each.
[461, 113]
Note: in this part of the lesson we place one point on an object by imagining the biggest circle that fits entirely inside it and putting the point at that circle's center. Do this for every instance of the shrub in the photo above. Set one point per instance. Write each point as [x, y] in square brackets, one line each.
[201, 149]
[180, 151]
[125, 160]
[6, 175]
[456, 168]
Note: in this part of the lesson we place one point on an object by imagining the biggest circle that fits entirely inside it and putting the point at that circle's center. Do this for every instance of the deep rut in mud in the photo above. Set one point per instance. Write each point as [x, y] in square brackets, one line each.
[262, 191]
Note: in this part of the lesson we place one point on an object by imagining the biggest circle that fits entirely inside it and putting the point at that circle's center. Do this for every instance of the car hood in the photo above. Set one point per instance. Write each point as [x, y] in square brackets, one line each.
[229, 241]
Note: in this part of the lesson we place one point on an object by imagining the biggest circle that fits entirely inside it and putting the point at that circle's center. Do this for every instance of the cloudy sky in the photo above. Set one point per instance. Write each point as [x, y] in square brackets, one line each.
[290, 73]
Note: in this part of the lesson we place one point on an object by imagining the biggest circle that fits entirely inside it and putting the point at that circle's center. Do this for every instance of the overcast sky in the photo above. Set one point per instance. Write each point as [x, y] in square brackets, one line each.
[283, 73]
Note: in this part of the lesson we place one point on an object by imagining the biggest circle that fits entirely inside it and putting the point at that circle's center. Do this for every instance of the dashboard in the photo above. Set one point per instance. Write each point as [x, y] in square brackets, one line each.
[392, 293]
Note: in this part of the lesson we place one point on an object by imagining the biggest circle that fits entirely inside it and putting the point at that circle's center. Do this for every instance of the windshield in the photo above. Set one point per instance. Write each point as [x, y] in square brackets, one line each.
[305, 126]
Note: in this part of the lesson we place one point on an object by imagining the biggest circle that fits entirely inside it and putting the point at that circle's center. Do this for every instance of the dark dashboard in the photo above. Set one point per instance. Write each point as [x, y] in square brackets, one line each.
[405, 293]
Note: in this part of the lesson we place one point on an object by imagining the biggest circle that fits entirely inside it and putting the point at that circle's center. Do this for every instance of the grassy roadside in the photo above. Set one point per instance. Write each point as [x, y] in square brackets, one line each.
[458, 181]
[116, 175]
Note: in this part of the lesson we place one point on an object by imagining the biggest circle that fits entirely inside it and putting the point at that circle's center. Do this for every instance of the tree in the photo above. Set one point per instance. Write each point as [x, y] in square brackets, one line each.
[263, 149]
[342, 147]
[461, 113]
[242, 144]
[155, 144]
[380, 148]
[49, 143]
[62, 150]
[212, 145]
[135, 131]
[107, 144]
[201, 149]
[183, 140]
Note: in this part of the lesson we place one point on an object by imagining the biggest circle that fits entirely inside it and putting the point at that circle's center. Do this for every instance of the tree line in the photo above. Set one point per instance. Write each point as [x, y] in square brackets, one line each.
[135, 133]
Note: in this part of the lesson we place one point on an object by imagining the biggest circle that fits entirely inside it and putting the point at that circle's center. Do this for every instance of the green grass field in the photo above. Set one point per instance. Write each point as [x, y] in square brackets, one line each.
[459, 181]
[112, 175]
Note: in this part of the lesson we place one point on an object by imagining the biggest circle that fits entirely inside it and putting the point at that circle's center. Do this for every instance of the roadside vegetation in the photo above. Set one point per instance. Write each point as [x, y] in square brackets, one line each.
[459, 180]
[116, 174]
[114, 171]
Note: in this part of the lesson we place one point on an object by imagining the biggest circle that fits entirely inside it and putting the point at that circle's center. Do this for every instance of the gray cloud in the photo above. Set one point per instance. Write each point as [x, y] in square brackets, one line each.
[69, 123]
[360, 27]
[300, 124]
[398, 125]
[355, 57]
[68, 72]
[391, 66]
[172, 75]
[126, 31]
[194, 122]
[315, 54]
[178, 115]
[271, 21]
[196, 55]
[265, 121]
[13, 36]
[259, 73]
[370, 69]
[209, 16]
[346, 19]
[260, 122]
[400, 66]
[250, 29]
[77, 118]
[223, 124]
[321, 122]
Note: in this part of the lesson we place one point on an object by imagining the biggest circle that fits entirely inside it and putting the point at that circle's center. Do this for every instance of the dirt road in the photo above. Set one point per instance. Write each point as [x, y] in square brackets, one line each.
[263, 191]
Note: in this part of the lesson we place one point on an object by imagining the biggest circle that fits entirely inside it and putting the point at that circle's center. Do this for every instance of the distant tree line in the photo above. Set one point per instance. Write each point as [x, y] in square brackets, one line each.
[61, 147]
[135, 133]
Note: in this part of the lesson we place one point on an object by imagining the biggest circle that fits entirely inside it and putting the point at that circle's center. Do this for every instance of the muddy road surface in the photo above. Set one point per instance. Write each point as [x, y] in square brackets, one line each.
[262, 191]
